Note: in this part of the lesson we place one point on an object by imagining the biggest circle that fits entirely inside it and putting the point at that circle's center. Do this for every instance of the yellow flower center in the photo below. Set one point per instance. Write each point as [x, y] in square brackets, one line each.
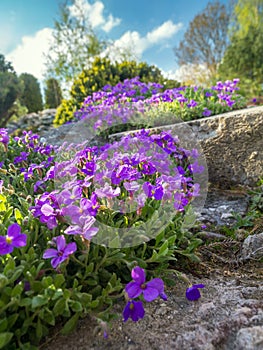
[9, 240]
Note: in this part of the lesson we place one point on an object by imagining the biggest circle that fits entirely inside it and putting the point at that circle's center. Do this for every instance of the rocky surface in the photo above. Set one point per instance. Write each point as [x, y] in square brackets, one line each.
[232, 144]
[229, 316]
[39, 122]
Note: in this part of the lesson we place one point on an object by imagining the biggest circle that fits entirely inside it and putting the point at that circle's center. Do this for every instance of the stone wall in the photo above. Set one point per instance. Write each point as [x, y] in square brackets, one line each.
[232, 143]
[40, 122]
[233, 146]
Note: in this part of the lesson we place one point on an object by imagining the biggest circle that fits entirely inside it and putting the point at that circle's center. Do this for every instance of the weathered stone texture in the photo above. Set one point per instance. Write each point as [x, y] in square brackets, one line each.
[232, 144]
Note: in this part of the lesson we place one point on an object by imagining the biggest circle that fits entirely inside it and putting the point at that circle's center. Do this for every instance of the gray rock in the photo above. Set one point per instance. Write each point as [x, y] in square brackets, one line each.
[250, 338]
[253, 247]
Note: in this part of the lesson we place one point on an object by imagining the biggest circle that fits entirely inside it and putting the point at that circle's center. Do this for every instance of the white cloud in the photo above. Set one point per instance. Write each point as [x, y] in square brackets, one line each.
[94, 13]
[164, 31]
[135, 44]
[191, 74]
[28, 57]
[111, 23]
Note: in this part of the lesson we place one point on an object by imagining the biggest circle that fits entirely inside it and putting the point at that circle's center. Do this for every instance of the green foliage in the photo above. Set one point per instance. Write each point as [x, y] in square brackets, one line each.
[101, 73]
[10, 90]
[5, 66]
[205, 40]
[244, 59]
[74, 44]
[53, 94]
[246, 13]
[31, 96]
[34, 297]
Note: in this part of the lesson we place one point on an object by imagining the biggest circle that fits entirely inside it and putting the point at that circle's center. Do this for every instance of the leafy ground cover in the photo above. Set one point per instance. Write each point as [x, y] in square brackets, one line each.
[82, 227]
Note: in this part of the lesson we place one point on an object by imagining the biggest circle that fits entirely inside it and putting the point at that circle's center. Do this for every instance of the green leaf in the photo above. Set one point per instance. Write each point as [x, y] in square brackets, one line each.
[59, 280]
[59, 307]
[76, 306]
[163, 249]
[94, 303]
[17, 290]
[39, 331]
[3, 324]
[3, 280]
[5, 338]
[12, 320]
[70, 325]
[38, 301]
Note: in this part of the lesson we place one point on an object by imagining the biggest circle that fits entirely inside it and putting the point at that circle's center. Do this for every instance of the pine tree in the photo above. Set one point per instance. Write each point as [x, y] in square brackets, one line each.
[53, 94]
[31, 96]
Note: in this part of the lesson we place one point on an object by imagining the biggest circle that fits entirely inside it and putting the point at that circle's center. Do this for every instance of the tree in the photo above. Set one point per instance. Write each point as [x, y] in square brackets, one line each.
[246, 13]
[10, 89]
[53, 94]
[5, 66]
[206, 39]
[74, 44]
[31, 96]
[244, 59]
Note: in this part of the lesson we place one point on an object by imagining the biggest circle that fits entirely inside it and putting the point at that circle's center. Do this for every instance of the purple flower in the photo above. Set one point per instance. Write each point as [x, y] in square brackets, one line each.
[206, 112]
[192, 104]
[83, 228]
[13, 239]
[134, 310]
[4, 138]
[62, 252]
[192, 293]
[150, 290]
[153, 191]
[179, 201]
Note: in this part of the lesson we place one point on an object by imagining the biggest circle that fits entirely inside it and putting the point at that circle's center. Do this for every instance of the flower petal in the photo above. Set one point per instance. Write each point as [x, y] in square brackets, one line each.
[13, 230]
[133, 289]
[19, 241]
[126, 312]
[192, 294]
[57, 261]
[138, 275]
[138, 311]
[156, 283]
[50, 253]
[198, 286]
[61, 243]
[5, 248]
[70, 249]
[150, 294]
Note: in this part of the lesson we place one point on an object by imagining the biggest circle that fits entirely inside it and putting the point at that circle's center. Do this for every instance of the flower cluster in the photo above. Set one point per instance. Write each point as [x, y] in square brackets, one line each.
[132, 99]
[133, 173]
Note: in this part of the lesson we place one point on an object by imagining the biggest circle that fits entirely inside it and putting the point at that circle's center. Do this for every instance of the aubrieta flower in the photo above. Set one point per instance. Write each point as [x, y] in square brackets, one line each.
[150, 290]
[13, 239]
[206, 112]
[134, 310]
[4, 138]
[62, 252]
[192, 293]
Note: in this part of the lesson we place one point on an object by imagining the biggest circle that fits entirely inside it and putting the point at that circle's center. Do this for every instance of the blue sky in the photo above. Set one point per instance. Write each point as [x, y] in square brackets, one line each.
[152, 27]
